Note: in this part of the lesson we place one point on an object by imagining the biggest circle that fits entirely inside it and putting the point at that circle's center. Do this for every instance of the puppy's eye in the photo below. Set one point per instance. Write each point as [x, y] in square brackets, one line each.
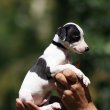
[75, 38]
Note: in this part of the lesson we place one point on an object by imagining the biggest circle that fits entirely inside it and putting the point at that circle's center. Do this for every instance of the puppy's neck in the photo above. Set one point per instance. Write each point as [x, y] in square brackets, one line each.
[58, 43]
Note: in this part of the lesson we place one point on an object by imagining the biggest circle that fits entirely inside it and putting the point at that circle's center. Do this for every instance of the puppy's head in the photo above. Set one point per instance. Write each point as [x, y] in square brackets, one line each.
[71, 36]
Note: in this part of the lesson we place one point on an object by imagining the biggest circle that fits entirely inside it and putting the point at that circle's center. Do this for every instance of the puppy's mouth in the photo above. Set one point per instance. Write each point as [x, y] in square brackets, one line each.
[78, 52]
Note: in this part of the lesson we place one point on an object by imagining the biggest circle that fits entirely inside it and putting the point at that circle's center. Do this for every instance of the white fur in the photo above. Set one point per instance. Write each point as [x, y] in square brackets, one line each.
[35, 88]
[52, 106]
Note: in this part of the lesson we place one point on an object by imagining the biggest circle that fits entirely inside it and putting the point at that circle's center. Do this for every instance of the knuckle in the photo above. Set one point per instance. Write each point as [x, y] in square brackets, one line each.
[67, 92]
[75, 87]
[70, 74]
[59, 76]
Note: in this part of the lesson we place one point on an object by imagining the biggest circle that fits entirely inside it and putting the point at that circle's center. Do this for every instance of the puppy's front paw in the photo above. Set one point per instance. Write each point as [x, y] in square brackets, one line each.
[86, 81]
[52, 106]
[81, 75]
[56, 105]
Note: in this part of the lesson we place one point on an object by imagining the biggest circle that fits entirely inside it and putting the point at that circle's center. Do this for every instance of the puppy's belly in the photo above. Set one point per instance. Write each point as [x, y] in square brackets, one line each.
[34, 88]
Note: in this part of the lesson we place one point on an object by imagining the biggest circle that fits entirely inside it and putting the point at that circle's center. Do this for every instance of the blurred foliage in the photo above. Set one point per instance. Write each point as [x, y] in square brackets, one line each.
[27, 27]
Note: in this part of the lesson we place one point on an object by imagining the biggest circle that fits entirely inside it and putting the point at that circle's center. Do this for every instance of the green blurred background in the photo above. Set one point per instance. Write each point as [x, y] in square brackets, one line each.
[28, 26]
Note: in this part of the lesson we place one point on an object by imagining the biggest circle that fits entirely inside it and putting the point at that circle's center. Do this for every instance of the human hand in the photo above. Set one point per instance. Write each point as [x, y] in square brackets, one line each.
[28, 105]
[21, 105]
[74, 94]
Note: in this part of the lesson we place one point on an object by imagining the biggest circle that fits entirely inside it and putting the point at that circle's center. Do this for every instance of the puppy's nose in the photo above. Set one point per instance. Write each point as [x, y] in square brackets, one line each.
[86, 49]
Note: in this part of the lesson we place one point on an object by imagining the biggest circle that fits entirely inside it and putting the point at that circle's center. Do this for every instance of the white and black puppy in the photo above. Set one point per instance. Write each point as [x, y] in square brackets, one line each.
[37, 83]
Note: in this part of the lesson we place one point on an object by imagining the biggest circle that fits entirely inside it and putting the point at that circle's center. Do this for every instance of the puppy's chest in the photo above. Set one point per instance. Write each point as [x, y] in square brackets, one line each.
[56, 60]
[54, 56]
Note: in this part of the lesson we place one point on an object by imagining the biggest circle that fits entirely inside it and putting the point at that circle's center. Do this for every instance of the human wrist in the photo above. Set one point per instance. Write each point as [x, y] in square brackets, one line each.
[91, 106]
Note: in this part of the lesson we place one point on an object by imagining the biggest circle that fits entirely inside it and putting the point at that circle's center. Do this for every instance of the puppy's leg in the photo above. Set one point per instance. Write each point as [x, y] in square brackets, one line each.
[52, 106]
[78, 72]
[25, 95]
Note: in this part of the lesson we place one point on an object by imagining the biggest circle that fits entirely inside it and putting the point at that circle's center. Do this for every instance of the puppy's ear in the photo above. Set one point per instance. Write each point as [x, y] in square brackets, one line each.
[62, 33]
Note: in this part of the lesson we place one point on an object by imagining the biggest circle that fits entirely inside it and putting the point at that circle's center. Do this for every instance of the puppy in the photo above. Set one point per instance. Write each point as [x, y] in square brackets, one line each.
[37, 83]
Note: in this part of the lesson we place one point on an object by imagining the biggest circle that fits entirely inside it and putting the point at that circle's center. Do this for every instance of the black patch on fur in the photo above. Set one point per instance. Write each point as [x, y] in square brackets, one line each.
[69, 33]
[41, 69]
[61, 33]
[73, 34]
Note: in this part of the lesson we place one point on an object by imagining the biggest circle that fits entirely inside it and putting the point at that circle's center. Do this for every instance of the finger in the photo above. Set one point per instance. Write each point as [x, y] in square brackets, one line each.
[78, 92]
[60, 88]
[19, 104]
[61, 78]
[27, 107]
[70, 75]
[87, 93]
[67, 93]
[32, 106]
[68, 99]
[61, 83]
